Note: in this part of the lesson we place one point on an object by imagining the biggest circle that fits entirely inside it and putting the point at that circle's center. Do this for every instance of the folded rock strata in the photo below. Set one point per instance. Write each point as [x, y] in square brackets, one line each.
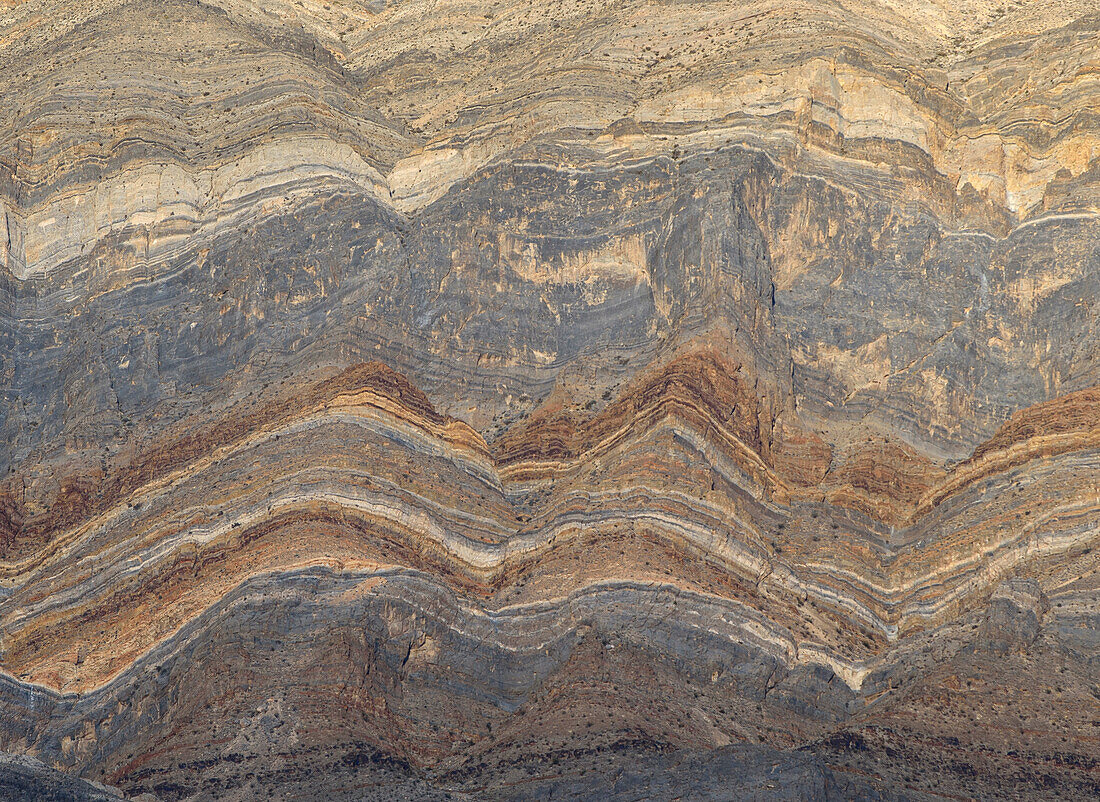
[605, 400]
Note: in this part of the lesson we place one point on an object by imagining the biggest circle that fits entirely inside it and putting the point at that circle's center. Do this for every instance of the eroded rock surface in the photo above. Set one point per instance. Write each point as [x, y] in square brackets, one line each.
[26, 779]
[580, 400]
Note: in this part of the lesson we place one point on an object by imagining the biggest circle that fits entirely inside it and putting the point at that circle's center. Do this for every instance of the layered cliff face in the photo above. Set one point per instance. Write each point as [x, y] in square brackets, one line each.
[583, 400]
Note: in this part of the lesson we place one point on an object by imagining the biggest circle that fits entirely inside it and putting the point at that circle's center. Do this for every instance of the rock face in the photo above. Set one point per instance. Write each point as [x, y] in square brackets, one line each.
[633, 400]
[25, 779]
[1015, 614]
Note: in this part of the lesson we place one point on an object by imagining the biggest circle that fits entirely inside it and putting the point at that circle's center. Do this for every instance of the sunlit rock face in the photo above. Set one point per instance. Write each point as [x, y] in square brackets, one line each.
[606, 400]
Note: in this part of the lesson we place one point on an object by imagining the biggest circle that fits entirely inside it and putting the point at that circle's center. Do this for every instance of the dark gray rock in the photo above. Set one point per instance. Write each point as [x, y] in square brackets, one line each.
[1015, 615]
[27, 779]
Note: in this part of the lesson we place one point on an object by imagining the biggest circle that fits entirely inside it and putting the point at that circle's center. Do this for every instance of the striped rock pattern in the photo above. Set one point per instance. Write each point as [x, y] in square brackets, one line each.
[573, 400]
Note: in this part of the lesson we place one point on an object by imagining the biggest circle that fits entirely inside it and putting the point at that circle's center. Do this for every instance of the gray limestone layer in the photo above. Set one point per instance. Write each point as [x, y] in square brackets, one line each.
[452, 297]
[27, 779]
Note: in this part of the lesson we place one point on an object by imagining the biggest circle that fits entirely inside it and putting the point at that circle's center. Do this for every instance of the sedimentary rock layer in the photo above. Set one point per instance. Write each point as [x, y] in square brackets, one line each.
[597, 400]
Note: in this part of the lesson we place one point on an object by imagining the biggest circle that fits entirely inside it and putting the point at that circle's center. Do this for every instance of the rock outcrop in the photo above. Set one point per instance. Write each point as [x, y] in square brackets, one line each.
[584, 400]
[25, 779]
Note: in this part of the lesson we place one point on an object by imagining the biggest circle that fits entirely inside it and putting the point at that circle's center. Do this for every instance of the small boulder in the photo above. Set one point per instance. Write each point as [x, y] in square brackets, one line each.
[1015, 615]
